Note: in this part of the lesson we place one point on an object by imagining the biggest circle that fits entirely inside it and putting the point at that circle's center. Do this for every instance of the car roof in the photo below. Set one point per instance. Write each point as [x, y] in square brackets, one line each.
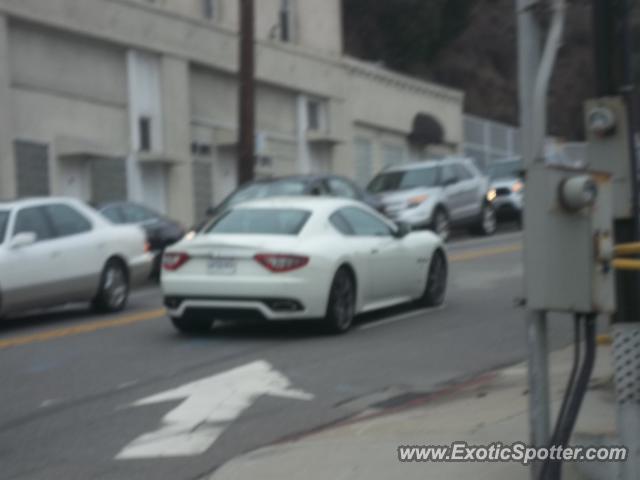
[308, 203]
[427, 164]
[312, 177]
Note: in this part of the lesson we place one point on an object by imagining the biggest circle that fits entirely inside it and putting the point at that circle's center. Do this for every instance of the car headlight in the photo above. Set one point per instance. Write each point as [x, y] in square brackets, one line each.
[492, 194]
[517, 187]
[415, 201]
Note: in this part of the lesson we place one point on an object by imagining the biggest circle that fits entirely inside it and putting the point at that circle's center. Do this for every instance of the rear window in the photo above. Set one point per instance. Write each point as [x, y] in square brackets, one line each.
[404, 180]
[4, 220]
[261, 221]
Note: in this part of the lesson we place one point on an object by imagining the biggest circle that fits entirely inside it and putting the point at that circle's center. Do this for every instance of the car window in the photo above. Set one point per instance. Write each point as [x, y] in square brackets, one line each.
[260, 221]
[449, 174]
[364, 224]
[317, 189]
[113, 213]
[342, 188]
[137, 214]
[340, 223]
[405, 179]
[463, 172]
[33, 220]
[255, 191]
[4, 222]
[67, 221]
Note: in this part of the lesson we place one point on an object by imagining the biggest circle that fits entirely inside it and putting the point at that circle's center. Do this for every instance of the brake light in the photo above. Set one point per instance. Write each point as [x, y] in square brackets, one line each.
[172, 261]
[147, 247]
[280, 263]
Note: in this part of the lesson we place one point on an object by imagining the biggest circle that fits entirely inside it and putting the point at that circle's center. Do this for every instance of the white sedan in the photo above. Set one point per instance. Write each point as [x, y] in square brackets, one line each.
[58, 250]
[299, 258]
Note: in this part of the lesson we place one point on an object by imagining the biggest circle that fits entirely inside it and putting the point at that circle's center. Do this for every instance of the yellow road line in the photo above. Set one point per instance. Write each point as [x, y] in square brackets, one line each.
[82, 328]
[486, 252]
[154, 314]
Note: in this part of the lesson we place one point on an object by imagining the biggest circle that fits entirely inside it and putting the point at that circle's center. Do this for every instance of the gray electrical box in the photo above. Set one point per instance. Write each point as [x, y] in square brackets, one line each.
[609, 151]
[568, 248]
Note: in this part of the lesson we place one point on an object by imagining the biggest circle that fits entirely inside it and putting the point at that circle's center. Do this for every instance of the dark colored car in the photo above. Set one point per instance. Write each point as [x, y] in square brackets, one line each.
[319, 185]
[161, 231]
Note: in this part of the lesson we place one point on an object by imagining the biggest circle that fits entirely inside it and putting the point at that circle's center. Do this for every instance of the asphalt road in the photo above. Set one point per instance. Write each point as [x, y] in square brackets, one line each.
[70, 379]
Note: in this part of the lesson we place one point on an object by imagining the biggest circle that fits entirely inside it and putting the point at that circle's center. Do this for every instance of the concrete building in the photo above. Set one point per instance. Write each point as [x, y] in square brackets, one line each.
[114, 99]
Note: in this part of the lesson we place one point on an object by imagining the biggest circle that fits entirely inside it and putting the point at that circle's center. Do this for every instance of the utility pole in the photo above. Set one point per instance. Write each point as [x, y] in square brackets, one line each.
[246, 100]
[529, 45]
[614, 78]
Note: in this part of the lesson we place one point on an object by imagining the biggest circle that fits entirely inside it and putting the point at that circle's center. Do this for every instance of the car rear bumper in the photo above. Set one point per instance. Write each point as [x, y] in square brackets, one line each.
[285, 298]
[240, 309]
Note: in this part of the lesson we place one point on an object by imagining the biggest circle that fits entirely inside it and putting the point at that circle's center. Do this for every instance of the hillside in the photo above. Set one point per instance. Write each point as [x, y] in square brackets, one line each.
[471, 45]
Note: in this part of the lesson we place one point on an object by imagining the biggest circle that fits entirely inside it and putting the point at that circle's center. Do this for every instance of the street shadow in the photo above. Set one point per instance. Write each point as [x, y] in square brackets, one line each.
[71, 314]
[290, 330]
[504, 226]
[68, 314]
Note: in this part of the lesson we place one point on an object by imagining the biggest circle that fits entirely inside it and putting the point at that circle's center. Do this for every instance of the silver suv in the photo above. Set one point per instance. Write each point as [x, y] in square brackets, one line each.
[436, 194]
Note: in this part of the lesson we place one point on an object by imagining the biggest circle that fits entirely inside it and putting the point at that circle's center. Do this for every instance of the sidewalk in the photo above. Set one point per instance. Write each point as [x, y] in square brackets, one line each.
[494, 409]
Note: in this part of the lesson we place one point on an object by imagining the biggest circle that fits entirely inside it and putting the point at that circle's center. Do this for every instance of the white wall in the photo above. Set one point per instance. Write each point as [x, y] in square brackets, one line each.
[41, 116]
[50, 60]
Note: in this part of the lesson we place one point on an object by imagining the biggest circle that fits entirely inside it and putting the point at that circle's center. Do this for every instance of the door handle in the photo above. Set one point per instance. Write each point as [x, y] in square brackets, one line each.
[374, 251]
[55, 254]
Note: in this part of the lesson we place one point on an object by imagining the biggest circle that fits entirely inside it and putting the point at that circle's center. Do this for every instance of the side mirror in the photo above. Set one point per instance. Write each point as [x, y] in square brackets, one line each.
[211, 211]
[23, 239]
[403, 230]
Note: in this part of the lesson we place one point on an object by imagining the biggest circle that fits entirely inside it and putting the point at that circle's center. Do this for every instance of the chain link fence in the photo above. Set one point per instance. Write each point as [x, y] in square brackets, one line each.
[487, 141]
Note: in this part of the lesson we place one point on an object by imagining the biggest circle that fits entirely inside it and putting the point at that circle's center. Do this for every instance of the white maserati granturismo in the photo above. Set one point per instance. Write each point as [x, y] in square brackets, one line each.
[300, 258]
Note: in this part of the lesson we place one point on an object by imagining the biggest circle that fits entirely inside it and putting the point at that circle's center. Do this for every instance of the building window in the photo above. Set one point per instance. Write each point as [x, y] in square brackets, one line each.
[144, 125]
[313, 116]
[32, 169]
[209, 9]
[285, 20]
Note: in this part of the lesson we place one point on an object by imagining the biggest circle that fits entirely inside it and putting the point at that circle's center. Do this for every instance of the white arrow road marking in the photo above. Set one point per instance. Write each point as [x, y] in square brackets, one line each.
[210, 405]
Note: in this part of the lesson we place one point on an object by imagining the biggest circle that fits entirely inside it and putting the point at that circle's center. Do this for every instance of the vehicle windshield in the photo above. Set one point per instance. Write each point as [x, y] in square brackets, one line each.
[265, 190]
[4, 220]
[508, 169]
[260, 221]
[404, 180]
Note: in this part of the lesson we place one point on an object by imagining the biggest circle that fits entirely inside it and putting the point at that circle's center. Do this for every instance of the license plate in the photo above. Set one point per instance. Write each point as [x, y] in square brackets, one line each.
[222, 266]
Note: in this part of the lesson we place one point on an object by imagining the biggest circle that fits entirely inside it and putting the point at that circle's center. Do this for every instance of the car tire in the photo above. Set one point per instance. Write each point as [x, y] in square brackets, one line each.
[441, 224]
[436, 285]
[342, 303]
[488, 222]
[192, 324]
[113, 292]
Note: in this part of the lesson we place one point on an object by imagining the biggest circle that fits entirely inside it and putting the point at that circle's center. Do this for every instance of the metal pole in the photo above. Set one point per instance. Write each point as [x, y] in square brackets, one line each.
[539, 412]
[529, 43]
[246, 100]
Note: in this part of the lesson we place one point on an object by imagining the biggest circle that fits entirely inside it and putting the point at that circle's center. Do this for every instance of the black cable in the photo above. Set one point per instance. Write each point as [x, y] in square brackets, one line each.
[561, 419]
[577, 395]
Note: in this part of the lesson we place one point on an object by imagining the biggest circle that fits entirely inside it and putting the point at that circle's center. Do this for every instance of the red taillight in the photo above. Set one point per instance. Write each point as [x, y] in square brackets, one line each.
[279, 263]
[172, 261]
[147, 247]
